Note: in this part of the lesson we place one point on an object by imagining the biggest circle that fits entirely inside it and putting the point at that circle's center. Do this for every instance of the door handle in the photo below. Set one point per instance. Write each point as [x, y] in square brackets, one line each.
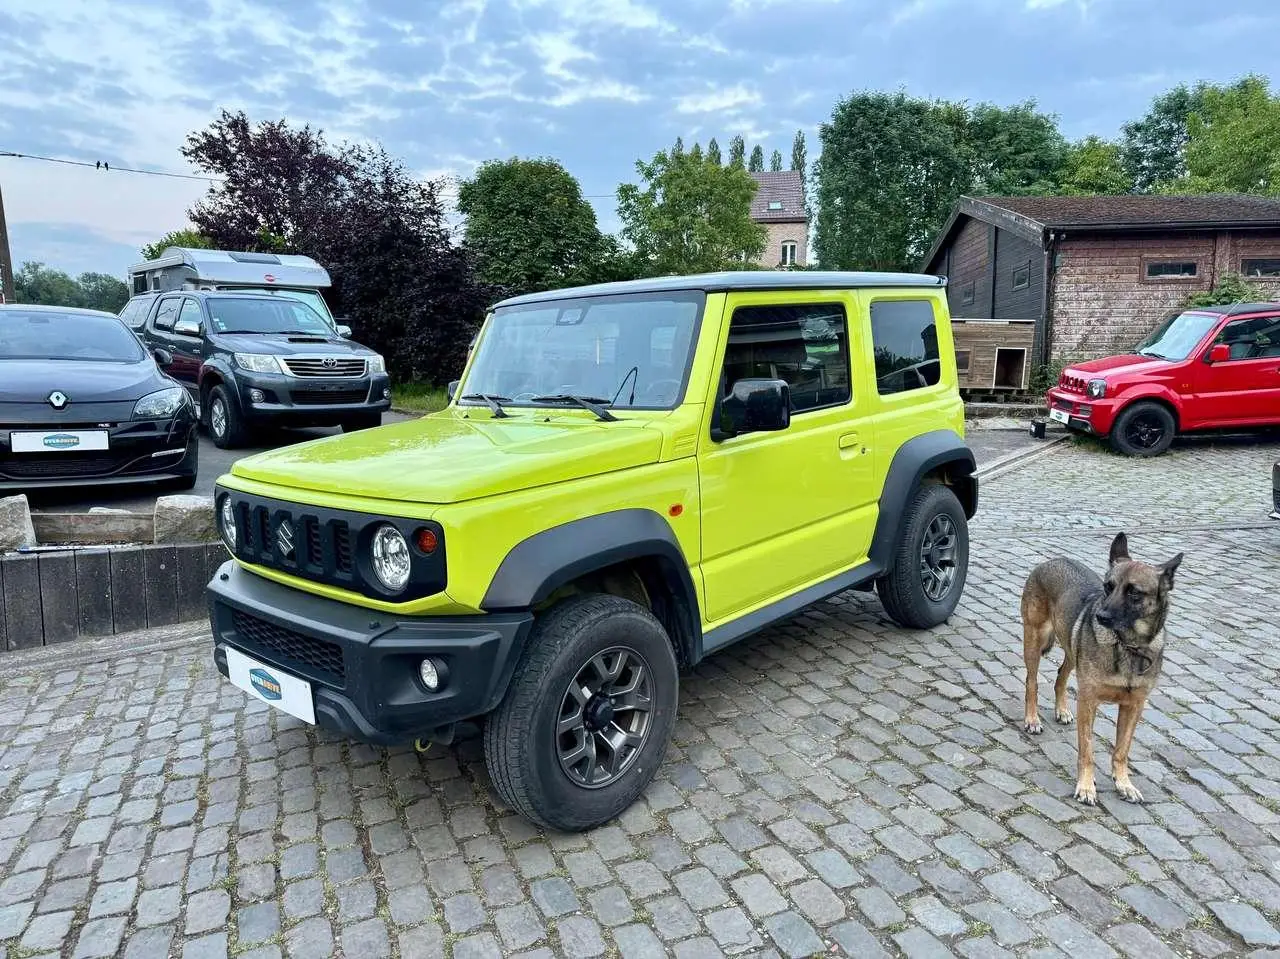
[849, 440]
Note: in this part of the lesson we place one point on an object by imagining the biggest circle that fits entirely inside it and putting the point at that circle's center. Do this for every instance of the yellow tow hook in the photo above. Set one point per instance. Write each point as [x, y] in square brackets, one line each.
[422, 745]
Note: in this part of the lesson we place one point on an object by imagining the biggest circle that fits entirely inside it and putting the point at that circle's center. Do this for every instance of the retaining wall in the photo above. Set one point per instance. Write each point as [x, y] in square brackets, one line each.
[48, 598]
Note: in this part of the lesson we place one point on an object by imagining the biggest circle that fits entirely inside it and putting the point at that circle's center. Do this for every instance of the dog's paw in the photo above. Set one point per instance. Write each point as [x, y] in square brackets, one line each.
[1064, 717]
[1129, 791]
[1033, 726]
[1087, 794]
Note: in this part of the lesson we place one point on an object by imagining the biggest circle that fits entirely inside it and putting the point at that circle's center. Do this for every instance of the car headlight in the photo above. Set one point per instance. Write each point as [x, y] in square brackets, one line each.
[376, 364]
[160, 404]
[227, 523]
[1096, 389]
[258, 363]
[390, 558]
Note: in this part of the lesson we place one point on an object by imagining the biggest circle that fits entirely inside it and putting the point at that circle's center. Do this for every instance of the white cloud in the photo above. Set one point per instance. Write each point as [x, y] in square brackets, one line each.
[583, 90]
[714, 101]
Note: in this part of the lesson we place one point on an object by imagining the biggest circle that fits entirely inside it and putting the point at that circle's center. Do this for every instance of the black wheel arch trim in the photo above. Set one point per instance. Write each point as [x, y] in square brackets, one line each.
[536, 567]
[916, 459]
[224, 373]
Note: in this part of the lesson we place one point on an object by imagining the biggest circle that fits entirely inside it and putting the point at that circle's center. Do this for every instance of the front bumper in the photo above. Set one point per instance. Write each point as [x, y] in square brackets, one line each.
[363, 665]
[1085, 414]
[311, 399]
[138, 451]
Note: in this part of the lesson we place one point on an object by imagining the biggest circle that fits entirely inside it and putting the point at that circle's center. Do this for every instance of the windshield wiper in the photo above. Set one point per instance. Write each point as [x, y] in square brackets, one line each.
[1153, 354]
[493, 402]
[593, 403]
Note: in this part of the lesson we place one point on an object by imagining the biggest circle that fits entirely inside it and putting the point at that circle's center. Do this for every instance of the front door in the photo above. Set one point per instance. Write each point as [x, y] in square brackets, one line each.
[1245, 389]
[788, 509]
[188, 344]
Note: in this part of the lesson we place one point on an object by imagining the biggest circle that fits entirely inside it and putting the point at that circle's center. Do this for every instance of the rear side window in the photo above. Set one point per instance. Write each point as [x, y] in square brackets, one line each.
[130, 312]
[168, 313]
[1257, 339]
[806, 346]
[904, 335]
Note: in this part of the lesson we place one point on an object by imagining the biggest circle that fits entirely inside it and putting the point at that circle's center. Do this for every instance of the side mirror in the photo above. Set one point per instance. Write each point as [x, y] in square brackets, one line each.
[453, 388]
[1219, 353]
[344, 331]
[754, 406]
[187, 328]
[164, 359]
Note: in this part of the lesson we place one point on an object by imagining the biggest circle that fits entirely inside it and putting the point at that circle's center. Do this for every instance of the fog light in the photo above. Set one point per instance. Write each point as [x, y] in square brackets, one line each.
[429, 676]
[386, 394]
[257, 396]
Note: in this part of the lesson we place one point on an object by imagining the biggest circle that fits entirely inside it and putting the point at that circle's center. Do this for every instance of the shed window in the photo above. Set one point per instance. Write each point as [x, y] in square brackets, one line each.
[1171, 269]
[1022, 276]
[1268, 267]
[967, 293]
[962, 361]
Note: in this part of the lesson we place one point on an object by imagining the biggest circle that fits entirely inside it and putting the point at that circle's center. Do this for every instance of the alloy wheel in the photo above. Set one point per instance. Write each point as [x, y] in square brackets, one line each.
[605, 717]
[218, 417]
[938, 557]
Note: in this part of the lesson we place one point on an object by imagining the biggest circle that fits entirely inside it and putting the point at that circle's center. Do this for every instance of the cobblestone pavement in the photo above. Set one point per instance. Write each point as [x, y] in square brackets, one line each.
[837, 785]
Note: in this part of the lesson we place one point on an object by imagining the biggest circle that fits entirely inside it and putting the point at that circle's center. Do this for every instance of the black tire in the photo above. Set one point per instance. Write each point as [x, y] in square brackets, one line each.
[902, 592]
[522, 749]
[365, 421]
[227, 431]
[1144, 428]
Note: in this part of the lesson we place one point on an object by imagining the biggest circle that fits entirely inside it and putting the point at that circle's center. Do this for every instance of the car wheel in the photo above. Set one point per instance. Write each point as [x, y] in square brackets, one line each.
[365, 421]
[588, 715]
[931, 562]
[1145, 428]
[226, 426]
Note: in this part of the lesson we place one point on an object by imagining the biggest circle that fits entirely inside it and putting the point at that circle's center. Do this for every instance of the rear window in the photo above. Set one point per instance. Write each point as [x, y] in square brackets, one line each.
[904, 335]
[51, 335]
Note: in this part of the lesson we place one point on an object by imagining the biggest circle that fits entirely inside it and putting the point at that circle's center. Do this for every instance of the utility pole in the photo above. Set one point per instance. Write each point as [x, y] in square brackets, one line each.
[7, 293]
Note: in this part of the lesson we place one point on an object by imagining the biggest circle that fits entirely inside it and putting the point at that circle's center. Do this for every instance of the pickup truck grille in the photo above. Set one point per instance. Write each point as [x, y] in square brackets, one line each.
[327, 397]
[324, 366]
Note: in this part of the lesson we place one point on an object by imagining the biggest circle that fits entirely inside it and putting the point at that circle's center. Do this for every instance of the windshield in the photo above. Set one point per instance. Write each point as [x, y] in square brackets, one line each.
[264, 315]
[50, 335]
[629, 350]
[309, 297]
[1176, 337]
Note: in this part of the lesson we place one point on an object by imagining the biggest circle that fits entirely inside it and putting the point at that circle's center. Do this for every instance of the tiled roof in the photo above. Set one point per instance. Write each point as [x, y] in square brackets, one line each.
[786, 188]
[1111, 211]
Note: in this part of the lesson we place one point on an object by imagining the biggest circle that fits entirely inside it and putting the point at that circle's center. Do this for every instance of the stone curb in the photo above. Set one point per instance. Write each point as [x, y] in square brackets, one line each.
[1019, 458]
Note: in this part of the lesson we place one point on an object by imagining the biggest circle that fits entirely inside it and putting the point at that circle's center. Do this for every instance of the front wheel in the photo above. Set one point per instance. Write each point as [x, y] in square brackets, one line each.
[1144, 428]
[931, 561]
[588, 715]
[226, 425]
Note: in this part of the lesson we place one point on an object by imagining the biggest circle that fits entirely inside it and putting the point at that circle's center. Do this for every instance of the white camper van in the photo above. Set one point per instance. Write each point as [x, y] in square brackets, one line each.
[185, 268]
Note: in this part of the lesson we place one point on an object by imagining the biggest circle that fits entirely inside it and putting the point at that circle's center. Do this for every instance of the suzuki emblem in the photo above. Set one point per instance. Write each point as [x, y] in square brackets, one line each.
[57, 399]
[284, 539]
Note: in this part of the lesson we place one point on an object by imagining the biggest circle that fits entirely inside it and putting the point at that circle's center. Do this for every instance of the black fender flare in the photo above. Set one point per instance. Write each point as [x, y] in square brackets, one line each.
[943, 450]
[222, 368]
[537, 566]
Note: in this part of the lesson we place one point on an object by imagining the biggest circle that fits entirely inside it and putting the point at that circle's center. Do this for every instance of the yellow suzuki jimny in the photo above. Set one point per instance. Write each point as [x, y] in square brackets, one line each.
[627, 478]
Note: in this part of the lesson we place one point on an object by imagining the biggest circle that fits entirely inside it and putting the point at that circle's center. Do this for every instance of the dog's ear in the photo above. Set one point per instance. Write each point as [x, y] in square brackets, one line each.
[1119, 548]
[1167, 571]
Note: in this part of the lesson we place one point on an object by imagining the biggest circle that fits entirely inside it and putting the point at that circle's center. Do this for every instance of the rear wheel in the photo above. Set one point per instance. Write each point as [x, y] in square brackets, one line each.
[931, 561]
[588, 715]
[226, 425]
[1145, 428]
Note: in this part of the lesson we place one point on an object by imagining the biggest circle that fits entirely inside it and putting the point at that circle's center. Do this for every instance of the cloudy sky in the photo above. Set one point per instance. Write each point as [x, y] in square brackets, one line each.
[446, 84]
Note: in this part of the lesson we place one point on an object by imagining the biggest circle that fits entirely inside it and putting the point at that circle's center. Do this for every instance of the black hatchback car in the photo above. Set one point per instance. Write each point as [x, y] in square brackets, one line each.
[252, 360]
[83, 403]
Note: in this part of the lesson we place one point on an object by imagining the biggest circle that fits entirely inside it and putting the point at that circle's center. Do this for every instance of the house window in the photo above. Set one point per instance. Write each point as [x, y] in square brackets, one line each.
[967, 293]
[789, 253]
[962, 361]
[1022, 276]
[904, 338]
[805, 346]
[1171, 269]
[1265, 267]
[775, 204]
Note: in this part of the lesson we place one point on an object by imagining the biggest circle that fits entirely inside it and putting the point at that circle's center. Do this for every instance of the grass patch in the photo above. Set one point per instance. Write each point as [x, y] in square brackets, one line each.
[418, 397]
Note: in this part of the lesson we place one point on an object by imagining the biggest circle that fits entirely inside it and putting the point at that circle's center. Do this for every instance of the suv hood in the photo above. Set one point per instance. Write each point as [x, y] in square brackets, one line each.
[1119, 365]
[298, 344]
[448, 459]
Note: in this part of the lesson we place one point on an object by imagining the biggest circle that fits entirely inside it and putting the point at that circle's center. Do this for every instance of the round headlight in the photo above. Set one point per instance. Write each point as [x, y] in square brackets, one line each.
[1096, 389]
[227, 523]
[390, 558]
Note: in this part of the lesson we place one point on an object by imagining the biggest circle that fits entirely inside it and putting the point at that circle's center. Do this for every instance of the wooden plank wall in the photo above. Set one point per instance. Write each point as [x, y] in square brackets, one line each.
[981, 338]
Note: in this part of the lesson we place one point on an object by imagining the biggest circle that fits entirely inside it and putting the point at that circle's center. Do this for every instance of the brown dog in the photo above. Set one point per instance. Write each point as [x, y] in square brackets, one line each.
[1112, 633]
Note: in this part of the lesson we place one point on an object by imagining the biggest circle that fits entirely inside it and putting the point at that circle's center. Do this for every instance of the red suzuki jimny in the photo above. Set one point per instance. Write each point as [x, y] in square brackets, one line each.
[1208, 368]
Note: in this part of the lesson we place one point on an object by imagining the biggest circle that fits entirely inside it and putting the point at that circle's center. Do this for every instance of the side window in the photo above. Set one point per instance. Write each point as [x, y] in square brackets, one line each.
[1252, 339]
[904, 335]
[130, 312]
[168, 313]
[190, 311]
[806, 346]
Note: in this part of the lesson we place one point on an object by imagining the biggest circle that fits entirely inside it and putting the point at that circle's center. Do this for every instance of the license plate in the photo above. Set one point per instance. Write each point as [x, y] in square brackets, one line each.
[1058, 415]
[273, 686]
[58, 441]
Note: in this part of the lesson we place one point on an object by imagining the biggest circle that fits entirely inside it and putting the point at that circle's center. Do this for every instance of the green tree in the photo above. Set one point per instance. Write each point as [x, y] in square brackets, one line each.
[37, 283]
[737, 151]
[890, 168]
[99, 291]
[528, 227]
[756, 163]
[713, 152]
[1013, 150]
[1233, 141]
[1094, 166]
[799, 154]
[187, 237]
[1153, 147]
[689, 215]
[775, 162]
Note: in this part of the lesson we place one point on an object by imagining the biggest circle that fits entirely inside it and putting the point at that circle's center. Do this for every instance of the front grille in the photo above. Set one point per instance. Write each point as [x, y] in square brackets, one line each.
[1071, 384]
[325, 397]
[316, 658]
[60, 465]
[321, 549]
[325, 366]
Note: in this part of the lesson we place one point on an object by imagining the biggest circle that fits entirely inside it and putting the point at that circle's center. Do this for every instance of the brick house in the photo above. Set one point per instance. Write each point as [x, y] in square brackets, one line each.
[779, 205]
[1042, 278]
